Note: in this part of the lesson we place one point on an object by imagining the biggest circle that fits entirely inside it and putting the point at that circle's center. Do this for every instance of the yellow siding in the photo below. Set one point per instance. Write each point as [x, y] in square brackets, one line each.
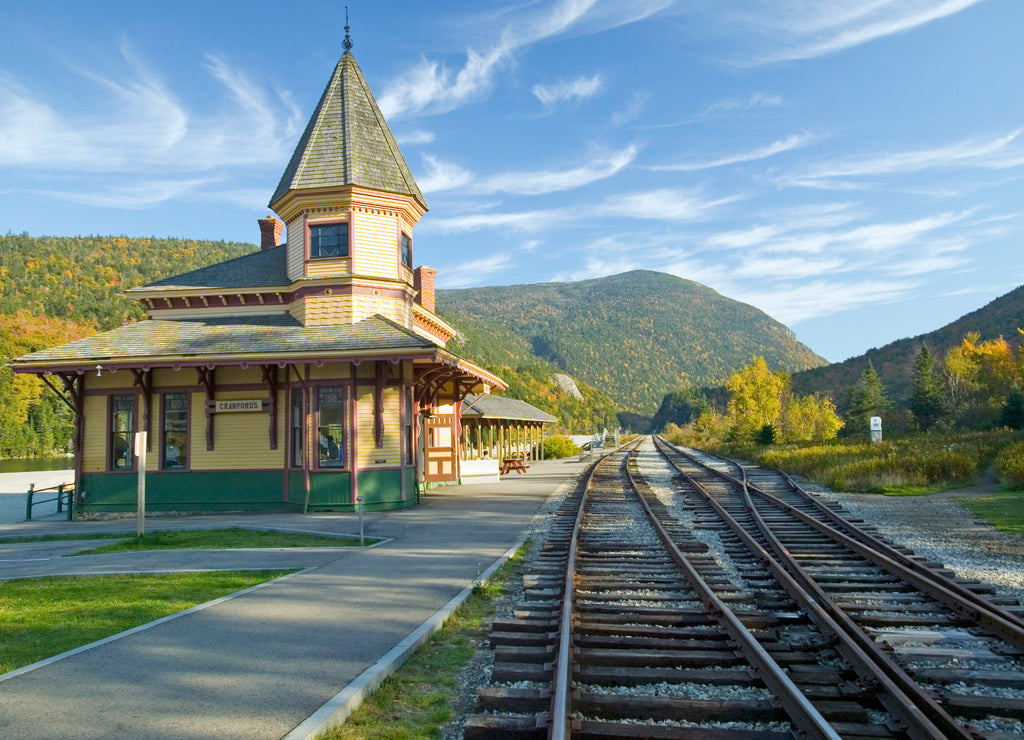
[241, 440]
[296, 247]
[369, 305]
[94, 449]
[391, 452]
[326, 310]
[327, 267]
[330, 371]
[375, 246]
[122, 379]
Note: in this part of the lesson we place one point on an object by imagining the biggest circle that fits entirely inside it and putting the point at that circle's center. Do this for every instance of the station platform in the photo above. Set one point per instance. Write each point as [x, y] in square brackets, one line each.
[277, 660]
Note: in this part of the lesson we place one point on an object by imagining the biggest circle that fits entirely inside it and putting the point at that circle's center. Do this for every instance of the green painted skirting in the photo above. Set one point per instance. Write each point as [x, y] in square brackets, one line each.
[248, 491]
[224, 491]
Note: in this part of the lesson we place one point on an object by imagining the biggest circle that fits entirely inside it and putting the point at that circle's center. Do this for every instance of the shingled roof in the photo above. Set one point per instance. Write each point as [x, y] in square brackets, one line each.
[264, 269]
[348, 142]
[500, 407]
[221, 338]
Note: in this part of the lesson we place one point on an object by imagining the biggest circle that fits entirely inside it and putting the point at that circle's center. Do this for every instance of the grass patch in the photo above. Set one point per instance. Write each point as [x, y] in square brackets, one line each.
[218, 539]
[419, 698]
[63, 537]
[1003, 510]
[43, 617]
[913, 465]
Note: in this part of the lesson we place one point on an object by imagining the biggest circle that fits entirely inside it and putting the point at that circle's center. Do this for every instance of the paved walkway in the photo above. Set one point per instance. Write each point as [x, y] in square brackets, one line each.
[13, 488]
[258, 665]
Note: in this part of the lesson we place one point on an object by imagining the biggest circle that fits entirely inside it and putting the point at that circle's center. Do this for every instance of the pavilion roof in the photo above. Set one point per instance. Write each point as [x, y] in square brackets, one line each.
[499, 407]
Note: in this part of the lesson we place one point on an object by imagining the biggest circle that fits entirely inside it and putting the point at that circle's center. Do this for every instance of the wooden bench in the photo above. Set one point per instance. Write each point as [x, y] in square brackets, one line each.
[513, 463]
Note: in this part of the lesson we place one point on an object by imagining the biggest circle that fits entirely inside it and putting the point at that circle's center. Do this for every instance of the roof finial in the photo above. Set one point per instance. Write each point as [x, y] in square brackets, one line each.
[347, 43]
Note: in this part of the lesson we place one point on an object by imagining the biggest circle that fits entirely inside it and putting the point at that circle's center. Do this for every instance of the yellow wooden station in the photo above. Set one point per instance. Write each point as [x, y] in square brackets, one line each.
[305, 376]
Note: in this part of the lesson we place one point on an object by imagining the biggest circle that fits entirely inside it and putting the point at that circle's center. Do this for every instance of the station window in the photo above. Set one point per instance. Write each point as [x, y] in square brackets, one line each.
[407, 250]
[122, 432]
[298, 424]
[328, 240]
[175, 423]
[330, 412]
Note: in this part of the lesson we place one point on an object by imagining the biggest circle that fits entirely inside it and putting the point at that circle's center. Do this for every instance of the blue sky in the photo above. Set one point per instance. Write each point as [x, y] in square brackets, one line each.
[851, 167]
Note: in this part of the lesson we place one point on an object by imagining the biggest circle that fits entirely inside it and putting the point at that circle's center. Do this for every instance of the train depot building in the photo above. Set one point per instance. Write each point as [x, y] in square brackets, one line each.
[304, 376]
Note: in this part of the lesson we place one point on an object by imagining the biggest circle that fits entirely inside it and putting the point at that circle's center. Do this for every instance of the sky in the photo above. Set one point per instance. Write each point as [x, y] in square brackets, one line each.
[851, 167]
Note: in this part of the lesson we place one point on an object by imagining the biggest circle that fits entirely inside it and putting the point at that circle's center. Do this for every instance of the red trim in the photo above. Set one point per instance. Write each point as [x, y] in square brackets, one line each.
[353, 422]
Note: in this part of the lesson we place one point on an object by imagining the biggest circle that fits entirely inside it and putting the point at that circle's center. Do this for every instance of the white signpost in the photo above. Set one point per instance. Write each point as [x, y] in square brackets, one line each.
[140, 456]
[876, 429]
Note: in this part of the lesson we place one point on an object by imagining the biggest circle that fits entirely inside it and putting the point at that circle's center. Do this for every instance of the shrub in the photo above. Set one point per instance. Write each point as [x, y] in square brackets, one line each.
[1010, 463]
[558, 446]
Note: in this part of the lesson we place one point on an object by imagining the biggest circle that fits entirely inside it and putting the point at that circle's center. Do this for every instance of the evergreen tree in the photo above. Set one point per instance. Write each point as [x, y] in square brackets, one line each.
[1012, 413]
[867, 398]
[926, 401]
[679, 408]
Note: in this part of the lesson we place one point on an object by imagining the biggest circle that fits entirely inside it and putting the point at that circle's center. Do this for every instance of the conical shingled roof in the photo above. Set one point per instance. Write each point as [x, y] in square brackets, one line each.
[348, 142]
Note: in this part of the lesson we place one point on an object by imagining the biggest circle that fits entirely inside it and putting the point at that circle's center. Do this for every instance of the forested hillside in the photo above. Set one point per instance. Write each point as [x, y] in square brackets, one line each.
[634, 336]
[55, 289]
[894, 362]
[83, 278]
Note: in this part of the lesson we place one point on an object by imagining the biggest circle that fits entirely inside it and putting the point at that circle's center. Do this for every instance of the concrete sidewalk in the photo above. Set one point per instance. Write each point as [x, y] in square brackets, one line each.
[256, 666]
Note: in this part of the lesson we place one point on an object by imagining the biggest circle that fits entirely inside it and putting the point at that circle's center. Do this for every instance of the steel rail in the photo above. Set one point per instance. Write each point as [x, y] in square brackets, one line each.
[561, 685]
[923, 717]
[891, 552]
[802, 713]
[949, 593]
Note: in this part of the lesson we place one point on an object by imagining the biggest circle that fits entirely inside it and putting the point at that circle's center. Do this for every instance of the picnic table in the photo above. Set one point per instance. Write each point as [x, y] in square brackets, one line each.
[513, 463]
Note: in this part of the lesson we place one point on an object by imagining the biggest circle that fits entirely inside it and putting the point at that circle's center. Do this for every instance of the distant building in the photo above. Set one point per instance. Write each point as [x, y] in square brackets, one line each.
[298, 377]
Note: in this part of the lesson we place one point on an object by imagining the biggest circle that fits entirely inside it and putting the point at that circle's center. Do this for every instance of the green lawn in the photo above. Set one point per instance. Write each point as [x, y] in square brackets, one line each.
[1003, 510]
[43, 617]
[219, 539]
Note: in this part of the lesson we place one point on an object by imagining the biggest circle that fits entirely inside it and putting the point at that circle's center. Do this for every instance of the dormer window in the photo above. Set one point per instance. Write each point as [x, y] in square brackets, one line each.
[407, 251]
[328, 240]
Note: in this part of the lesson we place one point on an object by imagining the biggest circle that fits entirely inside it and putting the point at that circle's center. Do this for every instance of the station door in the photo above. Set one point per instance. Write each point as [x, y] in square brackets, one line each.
[441, 452]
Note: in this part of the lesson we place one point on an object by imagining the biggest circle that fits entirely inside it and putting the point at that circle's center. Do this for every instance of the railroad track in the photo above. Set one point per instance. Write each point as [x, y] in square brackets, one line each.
[685, 596]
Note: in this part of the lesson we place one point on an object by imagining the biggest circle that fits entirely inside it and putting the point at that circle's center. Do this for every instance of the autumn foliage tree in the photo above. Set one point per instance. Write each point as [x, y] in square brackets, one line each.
[33, 422]
[762, 407]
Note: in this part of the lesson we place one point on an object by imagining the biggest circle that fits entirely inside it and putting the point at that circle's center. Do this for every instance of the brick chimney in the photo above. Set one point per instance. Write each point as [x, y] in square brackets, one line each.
[423, 281]
[270, 232]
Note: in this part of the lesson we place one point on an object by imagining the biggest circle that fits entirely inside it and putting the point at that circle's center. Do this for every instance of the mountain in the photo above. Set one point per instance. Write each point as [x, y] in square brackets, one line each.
[894, 362]
[634, 336]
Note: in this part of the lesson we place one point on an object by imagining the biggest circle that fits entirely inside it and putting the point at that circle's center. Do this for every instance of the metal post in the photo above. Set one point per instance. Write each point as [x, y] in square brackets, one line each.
[359, 508]
[28, 501]
[60, 498]
[140, 456]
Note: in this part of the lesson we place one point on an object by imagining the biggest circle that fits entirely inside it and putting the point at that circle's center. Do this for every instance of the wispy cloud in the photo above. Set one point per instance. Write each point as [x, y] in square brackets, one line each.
[142, 194]
[430, 87]
[805, 29]
[1002, 152]
[531, 221]
[664, 204]
[568, 90]
[144, 128]
[795, 141]
[474, 272]
[598, 166]
[441, 175]
[418, 136]
[792, 303]
[756, 100]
